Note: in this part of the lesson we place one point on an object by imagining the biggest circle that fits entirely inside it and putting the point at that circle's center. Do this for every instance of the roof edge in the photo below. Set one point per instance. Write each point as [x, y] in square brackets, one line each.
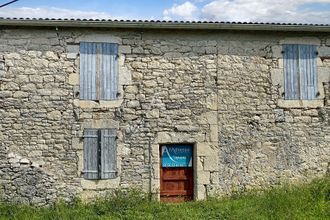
[164, 25]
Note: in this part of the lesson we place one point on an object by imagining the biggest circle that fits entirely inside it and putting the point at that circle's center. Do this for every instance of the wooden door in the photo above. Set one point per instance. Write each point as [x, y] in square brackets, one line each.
[176, 179]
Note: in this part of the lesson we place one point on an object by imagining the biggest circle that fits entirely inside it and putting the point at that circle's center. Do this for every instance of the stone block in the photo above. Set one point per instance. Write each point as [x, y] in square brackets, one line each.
[77, 144]
[14, 160]
[172, 54]
[212, 101]
[203, 177]
[133, 104]
[17, 126]
[167, 66]
[138, 50]
[12, 155]
[131, 89]
[154, 113]
[125, 49]
[10, 86]
[311, 112]
[279, 115]
[99, 37]
[9, 56]
[277, 76]
[72, 49]
[327, 42]
[215, 178]
[176, 97]
[23, 78]
[303, 119]
[24, 161]
[34, 54]
[199, 164]
[277, 51]
[214, 133]
[71, 55]
[300, 103]
[323, 74]
[5, 94]
[201, 192]
[211, 50]
[54, 115]
[139, 65]
[188, 128]
[50, 55]
[211, 117]
[137, 76]
[301, 40]
[20, 94]
[280, 63]
[163, 137]
[86, 104]
[150, 83]
[101, 184]
[111, 104]
[74, 79]
[36, 78]
[319, 62]
[125, 76]
[205, 149]
[211, 163]
[44, 92]
[324, 51]
[48, 78]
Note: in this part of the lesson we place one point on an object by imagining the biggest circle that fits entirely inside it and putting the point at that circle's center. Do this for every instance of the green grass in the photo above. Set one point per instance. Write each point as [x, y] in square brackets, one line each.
[308, 201]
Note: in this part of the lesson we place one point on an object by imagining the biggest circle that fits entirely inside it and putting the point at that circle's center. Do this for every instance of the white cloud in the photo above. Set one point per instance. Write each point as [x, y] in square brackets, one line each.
[52, 12]
[216, 10]
[186, 11]
[292, 11]
[264, 11]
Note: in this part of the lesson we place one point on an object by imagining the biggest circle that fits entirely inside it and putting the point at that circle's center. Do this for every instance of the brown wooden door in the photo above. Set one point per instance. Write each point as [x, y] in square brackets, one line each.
[176, 183]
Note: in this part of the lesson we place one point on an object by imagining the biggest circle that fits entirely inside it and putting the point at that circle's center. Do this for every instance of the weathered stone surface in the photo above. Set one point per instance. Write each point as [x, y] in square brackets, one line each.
[214, 90]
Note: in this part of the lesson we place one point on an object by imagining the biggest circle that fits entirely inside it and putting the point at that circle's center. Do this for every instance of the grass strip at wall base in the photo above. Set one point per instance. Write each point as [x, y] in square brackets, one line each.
[304, 201]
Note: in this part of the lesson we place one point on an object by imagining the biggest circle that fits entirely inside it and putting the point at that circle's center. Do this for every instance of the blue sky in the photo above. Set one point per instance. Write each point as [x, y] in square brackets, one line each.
[300, 11]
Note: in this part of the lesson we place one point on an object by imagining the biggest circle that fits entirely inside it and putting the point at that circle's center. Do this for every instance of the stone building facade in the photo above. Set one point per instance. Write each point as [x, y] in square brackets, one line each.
[219, 87]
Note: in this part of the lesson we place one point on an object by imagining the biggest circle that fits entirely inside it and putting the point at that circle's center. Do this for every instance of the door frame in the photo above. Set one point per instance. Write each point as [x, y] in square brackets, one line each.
[203, 149]
[194, 170]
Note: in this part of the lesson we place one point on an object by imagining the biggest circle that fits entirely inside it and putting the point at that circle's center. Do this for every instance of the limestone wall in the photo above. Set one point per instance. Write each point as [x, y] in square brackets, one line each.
[220, 91]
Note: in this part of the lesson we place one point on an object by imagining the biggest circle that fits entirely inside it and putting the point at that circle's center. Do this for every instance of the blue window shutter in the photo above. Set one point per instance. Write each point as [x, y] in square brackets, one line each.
[291, 71]
[91, 161]
[98, 71]
[308, 71]
[109, 71]
[300, 71]
[108, 154]
[88, 69]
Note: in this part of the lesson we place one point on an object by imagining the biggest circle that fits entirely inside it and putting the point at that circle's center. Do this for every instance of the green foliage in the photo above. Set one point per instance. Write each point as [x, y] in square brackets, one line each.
[308, 201]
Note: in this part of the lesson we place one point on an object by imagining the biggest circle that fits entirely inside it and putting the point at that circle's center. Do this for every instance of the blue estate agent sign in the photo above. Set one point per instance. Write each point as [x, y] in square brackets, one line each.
[176, 156]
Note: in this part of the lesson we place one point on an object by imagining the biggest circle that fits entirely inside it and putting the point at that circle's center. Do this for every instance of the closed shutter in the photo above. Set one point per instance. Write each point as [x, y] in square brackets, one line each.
[308, 71]
[291, 71]
[300, 72]
[98, 71]
[108, 154]
[109, 71]
[91, 162]
[88, 70]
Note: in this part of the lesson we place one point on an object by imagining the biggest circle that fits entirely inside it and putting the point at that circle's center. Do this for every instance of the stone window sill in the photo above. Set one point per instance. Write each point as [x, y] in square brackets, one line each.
[88, 104]
[100, 184]
[300, 103]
